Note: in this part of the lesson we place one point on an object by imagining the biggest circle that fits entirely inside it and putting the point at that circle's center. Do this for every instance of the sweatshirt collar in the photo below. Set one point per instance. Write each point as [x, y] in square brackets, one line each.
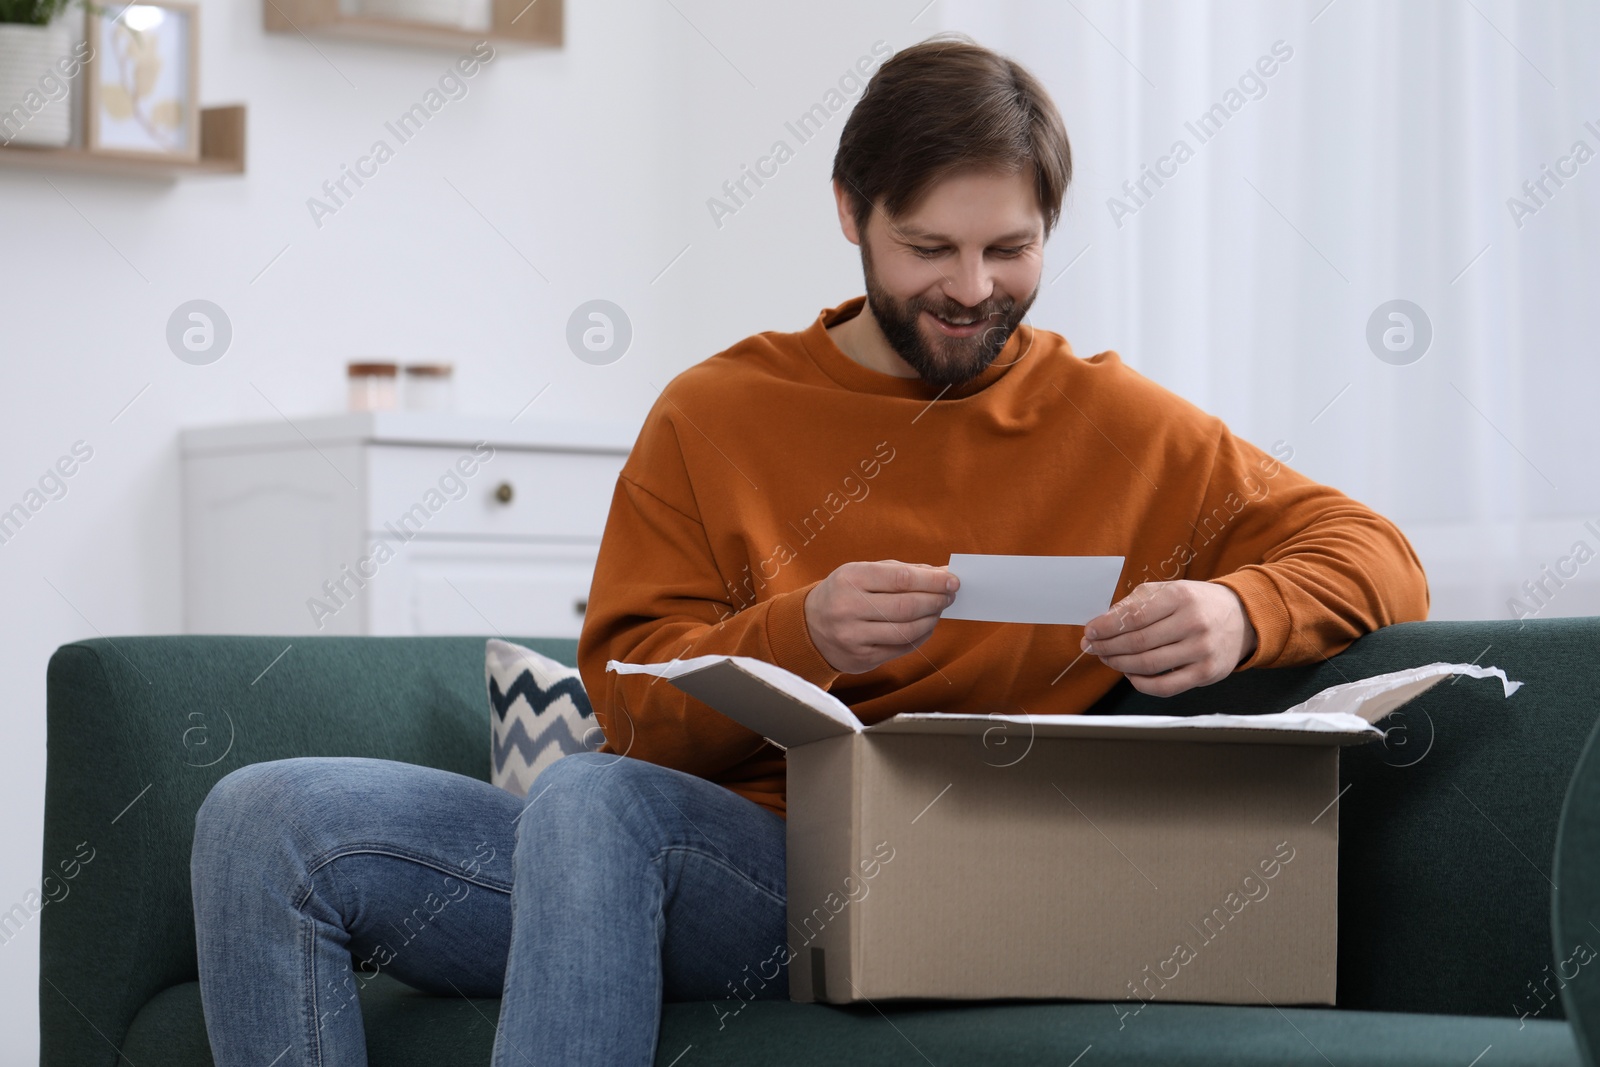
[833, 361]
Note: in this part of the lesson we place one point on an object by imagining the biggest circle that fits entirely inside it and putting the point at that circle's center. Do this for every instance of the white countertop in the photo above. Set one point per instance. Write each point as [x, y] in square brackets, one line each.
[532, 431]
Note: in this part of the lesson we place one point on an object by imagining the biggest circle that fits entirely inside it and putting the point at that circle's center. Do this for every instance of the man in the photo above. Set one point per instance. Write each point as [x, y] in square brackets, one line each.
[791, 499]
[927, 419]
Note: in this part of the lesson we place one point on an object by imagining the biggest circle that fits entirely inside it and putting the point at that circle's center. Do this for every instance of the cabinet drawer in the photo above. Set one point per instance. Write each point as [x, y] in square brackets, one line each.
[455, 492]
[462, 588]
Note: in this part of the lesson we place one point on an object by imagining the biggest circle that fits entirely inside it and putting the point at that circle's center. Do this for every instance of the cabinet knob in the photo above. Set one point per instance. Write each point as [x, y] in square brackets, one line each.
[503, 492]
[580, 606]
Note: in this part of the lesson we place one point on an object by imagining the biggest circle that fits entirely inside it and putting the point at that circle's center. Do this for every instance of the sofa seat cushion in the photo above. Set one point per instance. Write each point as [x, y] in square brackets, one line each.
[406, 1027]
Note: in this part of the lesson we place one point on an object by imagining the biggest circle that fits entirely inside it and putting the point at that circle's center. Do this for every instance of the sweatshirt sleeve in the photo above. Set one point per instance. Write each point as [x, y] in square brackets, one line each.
[659, 595]
[1314, 569]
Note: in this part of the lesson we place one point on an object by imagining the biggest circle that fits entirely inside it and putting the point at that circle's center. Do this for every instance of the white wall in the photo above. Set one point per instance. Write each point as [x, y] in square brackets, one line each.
[594, 164]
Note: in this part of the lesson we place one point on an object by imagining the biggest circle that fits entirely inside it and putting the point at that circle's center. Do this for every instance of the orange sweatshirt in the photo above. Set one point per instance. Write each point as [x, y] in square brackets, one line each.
[761, 469]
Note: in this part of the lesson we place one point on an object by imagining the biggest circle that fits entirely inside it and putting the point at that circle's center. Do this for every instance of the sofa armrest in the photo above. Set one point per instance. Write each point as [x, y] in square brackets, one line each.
[1575, 908]
[140, 728]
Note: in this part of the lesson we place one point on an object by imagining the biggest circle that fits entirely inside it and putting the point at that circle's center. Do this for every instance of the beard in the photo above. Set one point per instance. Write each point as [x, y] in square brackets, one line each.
[948, 361]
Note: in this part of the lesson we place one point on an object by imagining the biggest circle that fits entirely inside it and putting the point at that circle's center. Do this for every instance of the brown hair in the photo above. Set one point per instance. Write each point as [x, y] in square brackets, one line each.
[944, 105]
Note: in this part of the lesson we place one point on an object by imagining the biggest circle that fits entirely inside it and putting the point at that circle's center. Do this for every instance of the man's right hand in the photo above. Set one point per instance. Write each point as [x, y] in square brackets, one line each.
[865, 614]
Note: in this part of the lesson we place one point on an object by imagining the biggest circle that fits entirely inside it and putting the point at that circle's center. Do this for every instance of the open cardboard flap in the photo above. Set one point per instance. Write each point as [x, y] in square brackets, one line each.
[790, 711]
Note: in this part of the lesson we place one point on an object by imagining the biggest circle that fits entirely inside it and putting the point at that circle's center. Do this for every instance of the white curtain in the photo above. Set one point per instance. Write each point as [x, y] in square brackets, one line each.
[1375, 163]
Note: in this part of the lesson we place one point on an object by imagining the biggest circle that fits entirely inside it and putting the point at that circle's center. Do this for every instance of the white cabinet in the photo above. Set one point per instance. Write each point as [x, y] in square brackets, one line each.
[395, 523]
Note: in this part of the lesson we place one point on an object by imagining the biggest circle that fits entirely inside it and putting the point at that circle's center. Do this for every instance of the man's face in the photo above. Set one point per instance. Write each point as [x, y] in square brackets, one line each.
[951, 280]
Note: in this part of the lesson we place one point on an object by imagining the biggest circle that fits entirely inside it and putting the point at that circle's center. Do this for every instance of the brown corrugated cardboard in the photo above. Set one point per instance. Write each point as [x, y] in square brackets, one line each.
[1091, 868]
[1058, 856]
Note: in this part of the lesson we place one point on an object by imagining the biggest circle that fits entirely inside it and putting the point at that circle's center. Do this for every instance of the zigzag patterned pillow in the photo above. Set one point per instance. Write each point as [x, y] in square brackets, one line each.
[538, 713]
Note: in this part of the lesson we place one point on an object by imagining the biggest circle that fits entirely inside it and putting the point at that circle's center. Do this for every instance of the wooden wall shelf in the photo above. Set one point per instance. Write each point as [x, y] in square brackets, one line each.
[516, 23]
[221, 152]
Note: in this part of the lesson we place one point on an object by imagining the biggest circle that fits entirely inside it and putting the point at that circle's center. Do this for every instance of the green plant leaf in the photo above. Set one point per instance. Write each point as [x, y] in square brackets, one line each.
[32, 12]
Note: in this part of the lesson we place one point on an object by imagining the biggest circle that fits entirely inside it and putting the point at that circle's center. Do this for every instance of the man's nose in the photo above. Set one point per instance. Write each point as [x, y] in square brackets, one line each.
[971, 283]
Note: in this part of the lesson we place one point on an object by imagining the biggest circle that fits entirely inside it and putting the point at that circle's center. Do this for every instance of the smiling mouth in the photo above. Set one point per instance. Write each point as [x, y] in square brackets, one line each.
[962, 326]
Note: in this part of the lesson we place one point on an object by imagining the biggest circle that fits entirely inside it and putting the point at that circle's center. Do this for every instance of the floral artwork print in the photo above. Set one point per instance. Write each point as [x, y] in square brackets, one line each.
[131, 87]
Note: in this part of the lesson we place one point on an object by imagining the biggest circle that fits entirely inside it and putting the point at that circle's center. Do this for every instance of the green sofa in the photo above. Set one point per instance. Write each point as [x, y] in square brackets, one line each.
[1448, 848]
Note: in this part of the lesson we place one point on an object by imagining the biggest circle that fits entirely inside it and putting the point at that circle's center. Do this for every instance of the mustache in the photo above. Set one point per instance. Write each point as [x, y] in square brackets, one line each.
[959, 312]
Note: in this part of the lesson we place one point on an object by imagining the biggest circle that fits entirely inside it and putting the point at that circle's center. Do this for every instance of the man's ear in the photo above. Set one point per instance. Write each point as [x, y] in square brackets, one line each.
[845, 200]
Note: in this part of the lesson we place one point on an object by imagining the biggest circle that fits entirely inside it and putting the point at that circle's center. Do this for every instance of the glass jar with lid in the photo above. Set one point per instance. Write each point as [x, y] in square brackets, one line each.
[372, 386]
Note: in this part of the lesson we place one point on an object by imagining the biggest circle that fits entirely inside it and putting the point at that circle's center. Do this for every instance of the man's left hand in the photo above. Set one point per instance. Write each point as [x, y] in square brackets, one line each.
[1168, 637]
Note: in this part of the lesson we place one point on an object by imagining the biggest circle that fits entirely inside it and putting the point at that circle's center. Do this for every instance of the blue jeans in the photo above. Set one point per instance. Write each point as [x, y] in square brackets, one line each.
[616, 884]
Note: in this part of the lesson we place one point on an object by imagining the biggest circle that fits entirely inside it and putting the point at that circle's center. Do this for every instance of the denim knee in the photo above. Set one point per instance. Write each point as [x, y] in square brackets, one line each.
[238, 793]
[246, 811]
[587, 796]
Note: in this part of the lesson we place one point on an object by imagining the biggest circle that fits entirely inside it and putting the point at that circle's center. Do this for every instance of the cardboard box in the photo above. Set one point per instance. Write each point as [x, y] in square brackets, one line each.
[1111, 858]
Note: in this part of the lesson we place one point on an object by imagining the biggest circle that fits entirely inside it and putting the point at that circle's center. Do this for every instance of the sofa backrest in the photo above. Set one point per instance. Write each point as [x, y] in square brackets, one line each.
[1447, 831]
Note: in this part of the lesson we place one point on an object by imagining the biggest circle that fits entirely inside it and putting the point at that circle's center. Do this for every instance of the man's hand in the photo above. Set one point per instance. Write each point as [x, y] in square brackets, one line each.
[865, 614]
[1171, 636]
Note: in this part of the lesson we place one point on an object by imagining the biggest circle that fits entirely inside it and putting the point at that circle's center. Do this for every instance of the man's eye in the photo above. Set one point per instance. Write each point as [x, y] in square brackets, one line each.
[928, 253]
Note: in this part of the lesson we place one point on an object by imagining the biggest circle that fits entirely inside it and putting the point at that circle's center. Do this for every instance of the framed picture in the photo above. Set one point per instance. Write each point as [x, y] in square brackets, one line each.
[142, 95]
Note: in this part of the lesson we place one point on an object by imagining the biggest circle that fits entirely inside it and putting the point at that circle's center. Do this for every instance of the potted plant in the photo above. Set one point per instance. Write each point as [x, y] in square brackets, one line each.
[40, 55]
